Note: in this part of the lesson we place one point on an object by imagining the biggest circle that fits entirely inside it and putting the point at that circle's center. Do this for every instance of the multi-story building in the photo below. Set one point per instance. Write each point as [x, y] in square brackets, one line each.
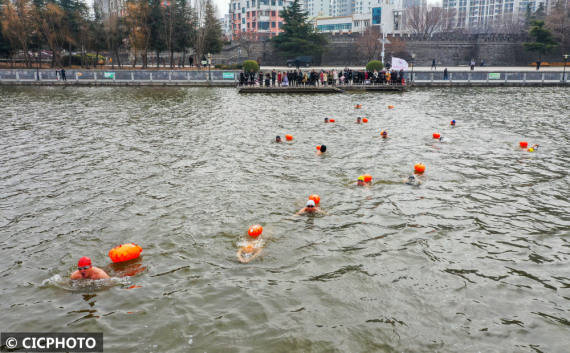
[260, 17]
[386, 14]
[482, 13]
[107, 8]
[317, 8]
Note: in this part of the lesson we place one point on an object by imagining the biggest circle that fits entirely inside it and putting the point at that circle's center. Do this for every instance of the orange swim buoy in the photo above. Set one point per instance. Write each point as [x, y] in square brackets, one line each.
[318, 147]
[523, 144]
[364, 120]
[420, 168]
[436, 135]
[255, 230]
[289, 137]
[358, 106]
[125, 252]
[367, 178]
[332, 120]
[391, 107]
[315, 198]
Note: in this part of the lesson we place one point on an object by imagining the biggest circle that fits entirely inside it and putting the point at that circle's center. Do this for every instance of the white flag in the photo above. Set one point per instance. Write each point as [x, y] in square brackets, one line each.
[398, 64]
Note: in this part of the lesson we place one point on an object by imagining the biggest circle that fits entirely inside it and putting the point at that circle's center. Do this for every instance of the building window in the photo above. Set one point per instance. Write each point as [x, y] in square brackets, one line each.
[272, 24]
[272, 13]
[263, 25]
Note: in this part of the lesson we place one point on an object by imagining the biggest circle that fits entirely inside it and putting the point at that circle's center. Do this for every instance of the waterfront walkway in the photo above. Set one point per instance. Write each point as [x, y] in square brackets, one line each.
[422, 77]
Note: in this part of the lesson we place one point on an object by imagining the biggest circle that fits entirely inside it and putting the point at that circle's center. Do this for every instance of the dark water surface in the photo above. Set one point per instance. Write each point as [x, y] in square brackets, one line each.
[474, 260]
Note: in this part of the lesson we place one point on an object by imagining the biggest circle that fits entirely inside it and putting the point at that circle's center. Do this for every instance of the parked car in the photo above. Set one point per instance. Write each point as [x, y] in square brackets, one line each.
[300, 61]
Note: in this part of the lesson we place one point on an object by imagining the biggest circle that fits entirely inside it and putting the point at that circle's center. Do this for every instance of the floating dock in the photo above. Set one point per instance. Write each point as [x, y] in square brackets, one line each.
[321, 89]
[297, 89]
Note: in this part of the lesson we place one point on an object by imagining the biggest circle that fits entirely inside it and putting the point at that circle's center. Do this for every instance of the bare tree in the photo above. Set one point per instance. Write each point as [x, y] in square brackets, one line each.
[424, 21]
[18, 24]
[558, 21]
[368, 44]
[139, 30]
[246, 41]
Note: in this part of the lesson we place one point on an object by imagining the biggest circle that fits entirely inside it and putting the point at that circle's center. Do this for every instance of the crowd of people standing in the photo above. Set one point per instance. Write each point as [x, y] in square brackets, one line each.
[296, 78]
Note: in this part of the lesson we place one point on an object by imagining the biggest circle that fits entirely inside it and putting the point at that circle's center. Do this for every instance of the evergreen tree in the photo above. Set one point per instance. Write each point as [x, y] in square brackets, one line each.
[299, 36]
[184, 28]
[543, 40]
[157, 33]
[212, 30]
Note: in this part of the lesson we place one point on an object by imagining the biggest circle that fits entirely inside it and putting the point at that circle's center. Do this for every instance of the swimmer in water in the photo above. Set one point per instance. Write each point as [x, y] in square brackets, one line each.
[412, 180]
[326, 120]
[361, 182]
[248, 252]
[358, 120]
[322, 150]
[86, 271]
[309, 208]
[277, 138]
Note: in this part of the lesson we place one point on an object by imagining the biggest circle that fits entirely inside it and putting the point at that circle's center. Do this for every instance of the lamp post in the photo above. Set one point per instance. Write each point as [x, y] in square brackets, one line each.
[209, 67]
[413, 58]
[564, 71]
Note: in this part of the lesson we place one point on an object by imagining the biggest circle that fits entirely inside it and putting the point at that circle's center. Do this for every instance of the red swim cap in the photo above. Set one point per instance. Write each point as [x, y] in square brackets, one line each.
[84, 261]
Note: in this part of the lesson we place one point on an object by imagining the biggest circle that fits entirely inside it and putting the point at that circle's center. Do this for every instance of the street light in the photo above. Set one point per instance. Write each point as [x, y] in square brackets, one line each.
[564, 71]
[209, 67]
[413, 57]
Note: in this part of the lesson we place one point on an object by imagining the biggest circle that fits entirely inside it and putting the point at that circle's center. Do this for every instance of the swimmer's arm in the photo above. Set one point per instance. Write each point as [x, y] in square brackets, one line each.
[245, 260]
[102, 274]
[301, 211]
[76, 275]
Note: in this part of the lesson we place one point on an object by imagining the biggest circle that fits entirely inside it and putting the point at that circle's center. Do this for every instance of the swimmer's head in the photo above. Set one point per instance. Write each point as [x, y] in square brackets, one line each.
[360, 180]
[326, 120]
[323, 148]
[358, 119]
[84, 263]
[277, 138]
[411, 178]
[310, 204]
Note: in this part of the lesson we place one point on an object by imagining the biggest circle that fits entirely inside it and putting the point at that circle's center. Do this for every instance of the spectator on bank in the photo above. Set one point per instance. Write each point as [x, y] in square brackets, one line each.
[279, 78]
[445, 74]
[472, 64]
[433, 66]
[482, 63]
[538, 62]
[285, 81]
[63, 74]
[273, 77]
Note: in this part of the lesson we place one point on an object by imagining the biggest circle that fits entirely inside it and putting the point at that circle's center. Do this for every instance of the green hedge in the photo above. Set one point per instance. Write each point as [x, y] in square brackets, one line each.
[249, 65]
[374, 65]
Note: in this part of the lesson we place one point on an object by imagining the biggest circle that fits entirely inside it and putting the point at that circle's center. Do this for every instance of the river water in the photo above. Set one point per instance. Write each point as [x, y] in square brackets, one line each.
[476, 259]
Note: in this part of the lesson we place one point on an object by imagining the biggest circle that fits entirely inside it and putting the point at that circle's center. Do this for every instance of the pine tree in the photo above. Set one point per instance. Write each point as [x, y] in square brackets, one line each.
[543, 40]
[212, 30]
[299, 36]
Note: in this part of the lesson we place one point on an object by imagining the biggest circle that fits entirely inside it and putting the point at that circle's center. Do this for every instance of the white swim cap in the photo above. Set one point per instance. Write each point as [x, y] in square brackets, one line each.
[311, 203]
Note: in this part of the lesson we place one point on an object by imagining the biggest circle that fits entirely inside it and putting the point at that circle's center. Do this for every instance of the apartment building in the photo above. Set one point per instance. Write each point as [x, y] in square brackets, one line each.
[261, 17]
[481, 13]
